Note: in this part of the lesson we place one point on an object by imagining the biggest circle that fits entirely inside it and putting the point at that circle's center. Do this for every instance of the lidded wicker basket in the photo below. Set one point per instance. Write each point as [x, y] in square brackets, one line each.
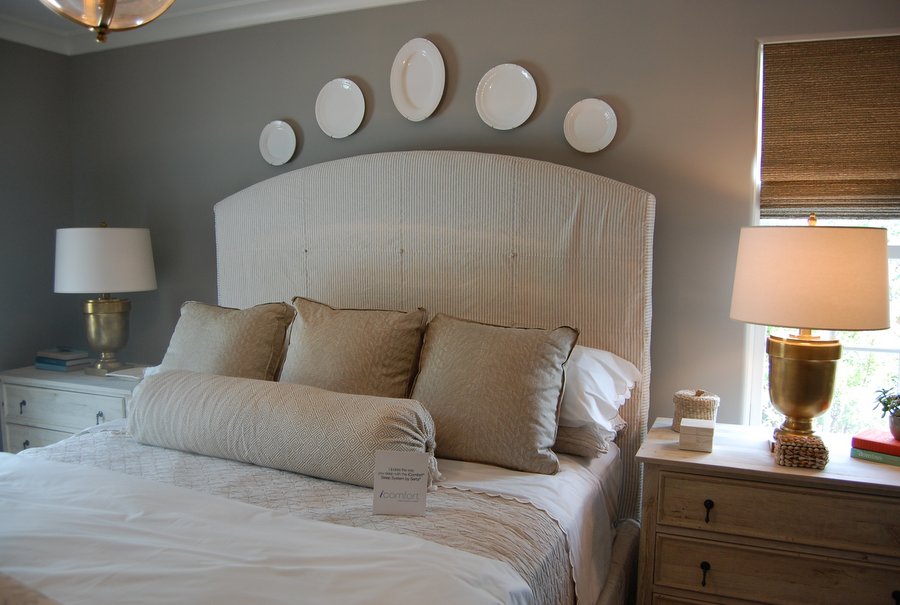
[694, 403]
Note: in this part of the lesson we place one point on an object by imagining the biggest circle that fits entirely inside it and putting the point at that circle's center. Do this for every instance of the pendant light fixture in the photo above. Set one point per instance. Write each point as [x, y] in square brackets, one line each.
[102, 16]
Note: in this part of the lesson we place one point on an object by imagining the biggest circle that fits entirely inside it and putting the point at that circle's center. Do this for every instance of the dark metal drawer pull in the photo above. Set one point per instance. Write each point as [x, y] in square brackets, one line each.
[705, 566]
[22, 405]
[708, 504]
[100, 416]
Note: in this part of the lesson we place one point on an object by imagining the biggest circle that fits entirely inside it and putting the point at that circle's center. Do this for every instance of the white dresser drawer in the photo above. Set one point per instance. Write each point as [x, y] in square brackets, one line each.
[772, 576]
[867, 524]
[59, 409]
[19, 437]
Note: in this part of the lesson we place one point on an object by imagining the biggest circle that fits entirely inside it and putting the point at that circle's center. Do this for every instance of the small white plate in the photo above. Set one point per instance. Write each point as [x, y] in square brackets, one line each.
[506, 96]
[417, 79]
[590, 125]
[340, 108]
[277, 142]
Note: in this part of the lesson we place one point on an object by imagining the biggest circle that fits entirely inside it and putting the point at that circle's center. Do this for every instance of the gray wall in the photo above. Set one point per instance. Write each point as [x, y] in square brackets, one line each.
[35, 199]
[159, 133]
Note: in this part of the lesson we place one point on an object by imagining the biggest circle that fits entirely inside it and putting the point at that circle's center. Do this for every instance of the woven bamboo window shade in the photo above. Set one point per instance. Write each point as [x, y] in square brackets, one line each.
[831, 128]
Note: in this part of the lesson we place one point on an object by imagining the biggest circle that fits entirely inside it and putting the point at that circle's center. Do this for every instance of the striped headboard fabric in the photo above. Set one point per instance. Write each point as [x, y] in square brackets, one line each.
[493, 238]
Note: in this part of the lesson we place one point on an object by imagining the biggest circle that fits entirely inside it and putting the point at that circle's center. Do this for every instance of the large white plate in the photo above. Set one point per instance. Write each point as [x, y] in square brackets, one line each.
[277, 142]
[417, 79]
[506, 96]
[590, 125]
[340, 108]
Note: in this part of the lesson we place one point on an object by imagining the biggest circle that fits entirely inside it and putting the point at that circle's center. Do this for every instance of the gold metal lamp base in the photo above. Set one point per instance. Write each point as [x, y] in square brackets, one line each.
[801, 379]
[106, 321]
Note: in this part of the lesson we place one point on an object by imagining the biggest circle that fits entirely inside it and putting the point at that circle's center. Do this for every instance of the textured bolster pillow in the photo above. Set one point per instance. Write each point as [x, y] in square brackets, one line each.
[290, 427]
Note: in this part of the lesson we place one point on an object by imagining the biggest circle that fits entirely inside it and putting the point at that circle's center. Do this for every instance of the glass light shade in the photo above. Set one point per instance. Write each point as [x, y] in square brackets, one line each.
[103, 260]
[102, 16]
[825, 278]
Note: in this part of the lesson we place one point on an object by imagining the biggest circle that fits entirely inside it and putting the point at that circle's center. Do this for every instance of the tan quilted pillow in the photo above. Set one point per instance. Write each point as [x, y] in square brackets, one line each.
[248, 343]
[290, 427]
[494, 391]
[361, 351]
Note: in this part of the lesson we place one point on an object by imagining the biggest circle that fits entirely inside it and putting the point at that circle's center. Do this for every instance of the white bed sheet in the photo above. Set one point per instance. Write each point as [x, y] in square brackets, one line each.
[84, 535]
[579, 502]
[581, 497]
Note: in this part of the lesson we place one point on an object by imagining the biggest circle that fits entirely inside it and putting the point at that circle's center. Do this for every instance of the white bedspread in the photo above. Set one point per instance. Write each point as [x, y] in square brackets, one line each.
[84, 535]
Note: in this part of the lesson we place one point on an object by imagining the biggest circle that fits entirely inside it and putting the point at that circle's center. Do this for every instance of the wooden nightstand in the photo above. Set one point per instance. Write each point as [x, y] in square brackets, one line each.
[732, 526]
[41, 407]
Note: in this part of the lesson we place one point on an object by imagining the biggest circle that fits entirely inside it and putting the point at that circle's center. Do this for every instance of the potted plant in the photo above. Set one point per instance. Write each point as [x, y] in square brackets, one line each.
[889, 402]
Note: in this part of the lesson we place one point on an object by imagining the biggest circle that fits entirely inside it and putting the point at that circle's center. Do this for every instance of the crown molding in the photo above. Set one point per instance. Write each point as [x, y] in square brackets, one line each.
[70, 39]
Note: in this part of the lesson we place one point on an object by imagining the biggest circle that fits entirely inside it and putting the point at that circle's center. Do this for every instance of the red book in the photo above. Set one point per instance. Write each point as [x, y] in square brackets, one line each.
[876, 441]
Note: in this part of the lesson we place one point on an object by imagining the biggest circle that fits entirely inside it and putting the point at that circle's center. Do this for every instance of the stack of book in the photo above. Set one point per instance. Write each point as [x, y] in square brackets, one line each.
[877, 446]
[61, 359]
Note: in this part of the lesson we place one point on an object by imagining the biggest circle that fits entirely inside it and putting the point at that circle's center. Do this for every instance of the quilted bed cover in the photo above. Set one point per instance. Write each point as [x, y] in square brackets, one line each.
[535, 541]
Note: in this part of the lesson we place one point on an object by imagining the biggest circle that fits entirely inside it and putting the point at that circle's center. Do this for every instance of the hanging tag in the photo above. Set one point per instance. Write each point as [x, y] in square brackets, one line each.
[401, 482]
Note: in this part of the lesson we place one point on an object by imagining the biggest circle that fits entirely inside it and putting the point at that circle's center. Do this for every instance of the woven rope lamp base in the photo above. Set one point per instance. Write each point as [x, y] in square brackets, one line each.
[801, 451]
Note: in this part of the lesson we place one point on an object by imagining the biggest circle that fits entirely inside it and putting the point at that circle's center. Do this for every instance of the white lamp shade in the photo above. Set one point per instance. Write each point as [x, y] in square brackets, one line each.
[826, 278]
[103, 260]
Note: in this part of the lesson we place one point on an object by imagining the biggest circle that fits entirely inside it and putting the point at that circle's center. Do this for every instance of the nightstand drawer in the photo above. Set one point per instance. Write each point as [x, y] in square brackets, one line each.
[771, 576]
[803, 516]
[19, 437]
[59, 409]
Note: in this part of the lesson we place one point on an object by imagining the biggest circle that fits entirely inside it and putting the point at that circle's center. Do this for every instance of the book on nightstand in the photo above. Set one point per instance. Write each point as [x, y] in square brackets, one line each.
[874, 440]
[856, 452]
[62, 353]
[62, 368]
[61, 359]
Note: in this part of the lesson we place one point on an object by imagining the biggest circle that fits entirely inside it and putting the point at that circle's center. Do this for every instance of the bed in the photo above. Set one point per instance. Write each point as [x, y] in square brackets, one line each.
[478, 256]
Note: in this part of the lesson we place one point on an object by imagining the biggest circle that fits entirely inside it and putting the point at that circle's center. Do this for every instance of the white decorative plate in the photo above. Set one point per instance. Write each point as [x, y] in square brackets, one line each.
[340, 108]
[590, 125]
[277, 142]
[417, 79]
[506, 96]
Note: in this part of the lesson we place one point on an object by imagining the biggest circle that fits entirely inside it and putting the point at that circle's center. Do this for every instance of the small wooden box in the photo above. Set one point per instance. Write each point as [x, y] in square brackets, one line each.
[696, 434]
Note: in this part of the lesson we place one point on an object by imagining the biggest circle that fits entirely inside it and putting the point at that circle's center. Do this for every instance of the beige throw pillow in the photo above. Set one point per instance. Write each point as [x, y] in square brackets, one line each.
[361, 351]
[494, 391]
[247, 343]
[290, 427]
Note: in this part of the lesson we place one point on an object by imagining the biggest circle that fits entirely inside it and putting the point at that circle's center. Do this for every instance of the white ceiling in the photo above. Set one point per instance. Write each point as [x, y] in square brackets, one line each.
[30, 22]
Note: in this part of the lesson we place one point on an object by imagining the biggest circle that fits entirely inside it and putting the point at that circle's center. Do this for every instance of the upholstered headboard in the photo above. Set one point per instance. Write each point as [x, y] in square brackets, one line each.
[494, 238]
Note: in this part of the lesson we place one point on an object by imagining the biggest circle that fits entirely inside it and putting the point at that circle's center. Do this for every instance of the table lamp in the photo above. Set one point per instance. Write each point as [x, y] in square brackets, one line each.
[826, 278]
[104, 260]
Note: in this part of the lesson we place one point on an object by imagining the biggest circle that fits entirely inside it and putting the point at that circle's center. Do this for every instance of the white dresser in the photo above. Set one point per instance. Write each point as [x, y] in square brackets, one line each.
[41, 407]
[731, 526]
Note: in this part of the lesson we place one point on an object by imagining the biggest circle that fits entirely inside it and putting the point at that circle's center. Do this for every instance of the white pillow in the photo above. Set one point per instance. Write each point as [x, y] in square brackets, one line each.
[598, 383]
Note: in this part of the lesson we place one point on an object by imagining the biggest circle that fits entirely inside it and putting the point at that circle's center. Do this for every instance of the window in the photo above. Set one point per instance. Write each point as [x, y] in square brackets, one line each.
[829, 126]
